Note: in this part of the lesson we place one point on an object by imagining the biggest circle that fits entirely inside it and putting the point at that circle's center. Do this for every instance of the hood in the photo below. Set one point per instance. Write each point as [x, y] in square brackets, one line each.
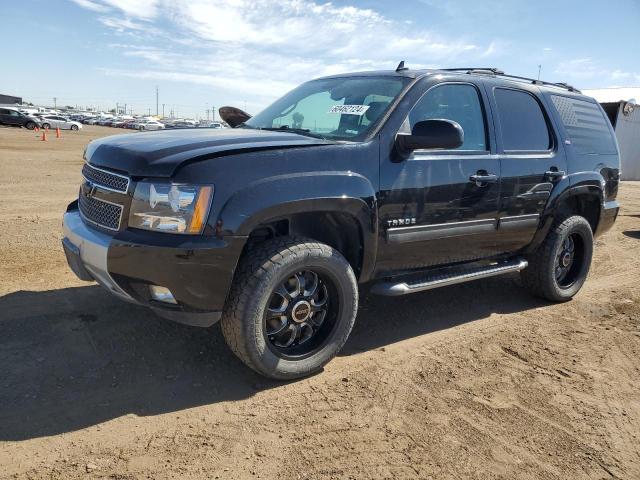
[160, 153]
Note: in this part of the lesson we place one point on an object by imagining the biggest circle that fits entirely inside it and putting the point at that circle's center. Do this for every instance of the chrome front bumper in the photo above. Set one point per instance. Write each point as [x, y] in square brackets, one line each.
[92, 246]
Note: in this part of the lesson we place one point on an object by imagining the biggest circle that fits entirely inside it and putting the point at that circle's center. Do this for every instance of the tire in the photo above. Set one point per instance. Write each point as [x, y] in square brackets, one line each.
[141, 127]
[548, 275]
[256, 336]
[74, 127]
[30, 125]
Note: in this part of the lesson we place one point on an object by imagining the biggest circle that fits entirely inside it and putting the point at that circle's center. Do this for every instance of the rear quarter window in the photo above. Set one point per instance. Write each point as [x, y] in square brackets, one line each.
[586, 125]
[522, 122]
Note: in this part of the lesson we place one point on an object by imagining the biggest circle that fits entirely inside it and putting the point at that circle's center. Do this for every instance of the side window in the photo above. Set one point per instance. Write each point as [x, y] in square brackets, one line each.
[460, 103]
[522, 122]
[4, 111]
[586, 125]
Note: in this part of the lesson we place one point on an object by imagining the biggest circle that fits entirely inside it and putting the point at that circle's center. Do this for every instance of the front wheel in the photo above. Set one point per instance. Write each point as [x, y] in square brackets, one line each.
[30, 125]
[559, 268]
[291, 308]
[74, 127]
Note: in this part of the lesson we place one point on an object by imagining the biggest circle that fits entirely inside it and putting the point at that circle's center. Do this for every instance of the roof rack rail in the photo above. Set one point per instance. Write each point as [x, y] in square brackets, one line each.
[498, 72]
[493, 70]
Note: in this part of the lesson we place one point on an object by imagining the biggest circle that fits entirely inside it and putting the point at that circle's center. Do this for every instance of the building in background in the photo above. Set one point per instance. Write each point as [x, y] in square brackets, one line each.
[620, 105]
[9, 100]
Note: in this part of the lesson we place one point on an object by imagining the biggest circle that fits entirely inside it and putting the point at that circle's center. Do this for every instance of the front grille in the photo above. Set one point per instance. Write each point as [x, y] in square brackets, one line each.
[105, 179]
[103, 214]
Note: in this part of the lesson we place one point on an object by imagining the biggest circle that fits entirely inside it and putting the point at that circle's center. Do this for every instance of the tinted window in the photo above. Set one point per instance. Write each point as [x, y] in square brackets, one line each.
[3, 111]
[521, 120]
[586, 126]
[459, 103]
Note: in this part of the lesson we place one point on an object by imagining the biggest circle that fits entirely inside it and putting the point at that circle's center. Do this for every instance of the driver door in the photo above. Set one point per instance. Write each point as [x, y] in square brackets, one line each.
[435, 208]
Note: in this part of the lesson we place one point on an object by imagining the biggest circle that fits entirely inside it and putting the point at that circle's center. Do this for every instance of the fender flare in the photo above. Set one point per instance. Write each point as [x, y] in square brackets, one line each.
[582, 183]
[284, 195]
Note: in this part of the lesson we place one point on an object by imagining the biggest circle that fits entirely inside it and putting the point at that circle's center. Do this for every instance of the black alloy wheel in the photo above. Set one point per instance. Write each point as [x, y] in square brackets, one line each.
[291, 307]
[559, 267]
[569, 260]
[300, 314]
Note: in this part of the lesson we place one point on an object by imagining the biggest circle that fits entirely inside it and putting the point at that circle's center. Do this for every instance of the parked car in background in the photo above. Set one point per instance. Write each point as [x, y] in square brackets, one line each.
[146, 124]
[211, 125]
[57, 121]
[11, 116]
[184, 124]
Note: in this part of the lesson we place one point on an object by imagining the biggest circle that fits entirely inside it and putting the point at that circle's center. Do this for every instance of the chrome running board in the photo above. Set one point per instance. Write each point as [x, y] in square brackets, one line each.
[450, 277]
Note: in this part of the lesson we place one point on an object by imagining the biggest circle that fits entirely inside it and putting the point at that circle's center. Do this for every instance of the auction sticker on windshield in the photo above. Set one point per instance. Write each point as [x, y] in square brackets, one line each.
[349, 109]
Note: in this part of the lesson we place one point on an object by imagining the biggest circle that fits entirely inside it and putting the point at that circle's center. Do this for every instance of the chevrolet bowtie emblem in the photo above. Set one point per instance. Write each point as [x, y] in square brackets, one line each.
[90, 189]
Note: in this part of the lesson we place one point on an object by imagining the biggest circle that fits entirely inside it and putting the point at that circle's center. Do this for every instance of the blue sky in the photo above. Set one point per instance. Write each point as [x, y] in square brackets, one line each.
[204, 53]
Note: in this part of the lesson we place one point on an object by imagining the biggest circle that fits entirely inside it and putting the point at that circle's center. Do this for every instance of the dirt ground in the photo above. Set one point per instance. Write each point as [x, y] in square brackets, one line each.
[473, 381]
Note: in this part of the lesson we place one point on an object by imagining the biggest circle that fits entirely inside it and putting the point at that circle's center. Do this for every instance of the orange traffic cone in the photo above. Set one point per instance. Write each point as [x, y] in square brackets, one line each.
[44, 135]
[37, 129]
[58, 133]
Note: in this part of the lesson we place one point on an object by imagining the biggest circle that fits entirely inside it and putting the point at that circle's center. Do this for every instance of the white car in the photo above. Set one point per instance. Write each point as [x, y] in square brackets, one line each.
[148, 125]
[56, 121]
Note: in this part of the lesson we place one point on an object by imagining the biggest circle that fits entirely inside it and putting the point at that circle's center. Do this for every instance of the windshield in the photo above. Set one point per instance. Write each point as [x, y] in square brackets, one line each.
[344, 108]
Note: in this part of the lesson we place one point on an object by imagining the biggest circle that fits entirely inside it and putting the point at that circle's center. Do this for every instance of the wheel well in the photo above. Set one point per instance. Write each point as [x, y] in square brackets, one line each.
[338, 230]
[587, 206]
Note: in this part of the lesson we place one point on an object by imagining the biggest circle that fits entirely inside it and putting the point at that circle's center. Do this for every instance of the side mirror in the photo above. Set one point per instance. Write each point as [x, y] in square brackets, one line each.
[431, 135]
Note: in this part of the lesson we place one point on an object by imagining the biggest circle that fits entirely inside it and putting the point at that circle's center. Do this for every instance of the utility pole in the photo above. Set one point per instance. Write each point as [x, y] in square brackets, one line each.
[125, 108]
[117, 108]
[149, 112]
[157, 111]
[539, 70]
[55, 105]
[163, 110]
[207, 110]
[213, 113]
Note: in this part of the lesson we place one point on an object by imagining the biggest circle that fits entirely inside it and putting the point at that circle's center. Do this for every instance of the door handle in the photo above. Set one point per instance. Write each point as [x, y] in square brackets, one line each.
[481, 179]
[554, 174]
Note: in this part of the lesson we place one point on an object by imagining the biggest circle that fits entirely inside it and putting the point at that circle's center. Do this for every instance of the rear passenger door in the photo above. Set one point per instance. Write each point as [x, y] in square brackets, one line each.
[531, 163]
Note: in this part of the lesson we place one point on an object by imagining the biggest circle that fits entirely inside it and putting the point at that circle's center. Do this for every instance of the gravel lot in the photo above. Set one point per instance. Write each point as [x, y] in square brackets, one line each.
[473, 381]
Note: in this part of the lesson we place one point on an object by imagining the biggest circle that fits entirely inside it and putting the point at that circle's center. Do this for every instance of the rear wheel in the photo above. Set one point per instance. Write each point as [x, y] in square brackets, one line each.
[561, 264]
[291, 307]
[141, 127]
[74, 127]
[30, 125]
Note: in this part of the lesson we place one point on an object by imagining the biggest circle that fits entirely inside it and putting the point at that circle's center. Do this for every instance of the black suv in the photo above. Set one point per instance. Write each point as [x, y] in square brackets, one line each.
[406, 180]
[11, 116]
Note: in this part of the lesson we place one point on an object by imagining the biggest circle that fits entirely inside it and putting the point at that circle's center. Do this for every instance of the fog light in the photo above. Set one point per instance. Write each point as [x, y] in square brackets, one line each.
[162, 294]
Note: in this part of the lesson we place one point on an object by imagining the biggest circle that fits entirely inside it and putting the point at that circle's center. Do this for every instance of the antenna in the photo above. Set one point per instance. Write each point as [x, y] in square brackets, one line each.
[401, 67]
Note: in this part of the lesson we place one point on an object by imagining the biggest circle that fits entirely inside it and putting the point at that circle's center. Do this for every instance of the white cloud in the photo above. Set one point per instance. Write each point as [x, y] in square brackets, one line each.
[260, 48]
[587, 70]
[141, 9]
[91, 5]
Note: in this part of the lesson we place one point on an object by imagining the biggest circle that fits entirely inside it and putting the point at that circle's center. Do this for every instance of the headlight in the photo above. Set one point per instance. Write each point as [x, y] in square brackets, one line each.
[169, 207]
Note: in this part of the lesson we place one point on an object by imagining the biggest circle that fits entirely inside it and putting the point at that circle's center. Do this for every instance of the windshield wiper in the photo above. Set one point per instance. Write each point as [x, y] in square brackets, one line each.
[287, 128]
